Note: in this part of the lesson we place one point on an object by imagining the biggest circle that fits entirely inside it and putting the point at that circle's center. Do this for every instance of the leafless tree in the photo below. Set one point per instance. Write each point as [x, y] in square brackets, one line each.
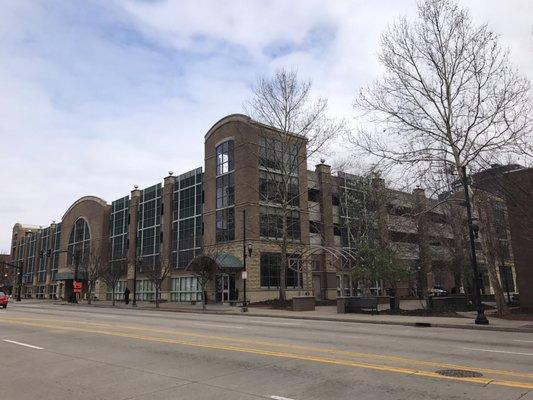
[489, 229]
[295, 125]
[157, 275]
[449, 96]
[112, 275]
[93, 270]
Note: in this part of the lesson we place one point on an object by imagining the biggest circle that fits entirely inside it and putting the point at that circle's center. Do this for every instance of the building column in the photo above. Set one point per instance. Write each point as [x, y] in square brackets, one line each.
[323, 172]
[135, 199]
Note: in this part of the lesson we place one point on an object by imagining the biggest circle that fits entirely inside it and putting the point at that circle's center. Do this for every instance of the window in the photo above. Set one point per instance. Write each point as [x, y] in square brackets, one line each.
[118, 227]
[224, 154]
[55, 254]
[313, 195]
[314, 227]
[79, 243]
[149, 227]
[225, 193]
[145, 290]
[277, 155]
[272, 223]
[278, 189]
[185, 288]
[187, 218]
[119, 291]
[270, 270]
[225, 225]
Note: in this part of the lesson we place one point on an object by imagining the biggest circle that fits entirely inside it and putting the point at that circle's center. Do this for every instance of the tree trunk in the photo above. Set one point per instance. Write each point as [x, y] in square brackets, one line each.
[157, 296]
[90, 289]
[113, 296]
[203, 297]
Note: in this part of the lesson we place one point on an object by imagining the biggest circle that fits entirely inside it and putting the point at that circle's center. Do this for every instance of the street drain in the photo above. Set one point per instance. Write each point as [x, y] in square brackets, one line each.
[460, 373]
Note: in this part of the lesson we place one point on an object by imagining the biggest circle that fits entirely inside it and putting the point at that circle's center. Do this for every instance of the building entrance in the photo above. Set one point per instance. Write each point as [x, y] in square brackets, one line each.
[225, 288]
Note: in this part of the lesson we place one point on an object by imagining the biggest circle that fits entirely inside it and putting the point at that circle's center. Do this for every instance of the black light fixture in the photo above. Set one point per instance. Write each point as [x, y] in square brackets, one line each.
[250, 248]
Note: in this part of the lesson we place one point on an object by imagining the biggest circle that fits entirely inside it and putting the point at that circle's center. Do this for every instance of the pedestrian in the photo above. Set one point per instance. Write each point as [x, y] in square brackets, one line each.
[126, 295]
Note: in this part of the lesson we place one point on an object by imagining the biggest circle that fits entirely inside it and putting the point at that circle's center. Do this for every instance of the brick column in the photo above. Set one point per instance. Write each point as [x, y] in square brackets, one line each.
[132, 233]
[166, 227]
[323, 173]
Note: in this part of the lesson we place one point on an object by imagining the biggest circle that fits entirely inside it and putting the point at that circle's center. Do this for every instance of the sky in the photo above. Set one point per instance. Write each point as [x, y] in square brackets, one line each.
[100, 95]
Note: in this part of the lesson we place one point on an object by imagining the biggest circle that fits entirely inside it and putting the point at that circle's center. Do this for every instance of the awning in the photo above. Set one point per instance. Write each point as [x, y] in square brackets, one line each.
[64, 276]
[228, 261]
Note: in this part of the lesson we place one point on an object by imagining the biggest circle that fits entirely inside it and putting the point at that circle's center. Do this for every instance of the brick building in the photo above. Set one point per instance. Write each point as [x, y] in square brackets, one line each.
[202, 211]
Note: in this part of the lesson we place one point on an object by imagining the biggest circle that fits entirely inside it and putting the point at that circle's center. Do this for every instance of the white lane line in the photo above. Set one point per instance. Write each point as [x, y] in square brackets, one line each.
[274, 323]
[279, 398]
[23, 344]
[499, 351]
[219, 326]
[523, 341]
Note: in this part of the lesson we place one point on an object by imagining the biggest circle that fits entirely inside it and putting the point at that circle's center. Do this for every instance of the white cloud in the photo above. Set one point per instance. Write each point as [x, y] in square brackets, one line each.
[98, 96]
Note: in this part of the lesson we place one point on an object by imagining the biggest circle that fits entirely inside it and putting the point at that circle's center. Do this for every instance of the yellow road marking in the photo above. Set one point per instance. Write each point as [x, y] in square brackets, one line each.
[294, 356]
[520, 374]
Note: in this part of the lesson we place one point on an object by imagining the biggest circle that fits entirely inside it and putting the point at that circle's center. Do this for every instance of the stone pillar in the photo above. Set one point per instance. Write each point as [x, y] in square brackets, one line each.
[323, 173]
[424, 256]
[135, 199]
[166, 218]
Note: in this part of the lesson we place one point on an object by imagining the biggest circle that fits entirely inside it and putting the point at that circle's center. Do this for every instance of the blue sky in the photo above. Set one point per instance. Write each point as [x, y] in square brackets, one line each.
[98, 96]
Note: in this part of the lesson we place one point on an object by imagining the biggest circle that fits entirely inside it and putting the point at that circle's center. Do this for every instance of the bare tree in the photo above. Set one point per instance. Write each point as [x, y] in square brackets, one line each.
[112, 275]
[205, 267]
[93, 270]
[295, 127]
[449, 96]
[487, 204]
[157, 275]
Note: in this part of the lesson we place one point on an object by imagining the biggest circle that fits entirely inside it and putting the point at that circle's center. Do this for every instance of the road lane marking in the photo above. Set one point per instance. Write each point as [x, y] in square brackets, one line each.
[523, 341]
[499, 351]
[286, 355]
[409, 361]
[218, 326]
[279, 398]
[23, 344]
[275, 323]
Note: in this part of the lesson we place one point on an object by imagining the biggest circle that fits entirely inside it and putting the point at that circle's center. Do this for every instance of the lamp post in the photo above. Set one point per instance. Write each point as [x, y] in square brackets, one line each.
[246, 251]
[473, 230]
[19, 277]
[138, 261]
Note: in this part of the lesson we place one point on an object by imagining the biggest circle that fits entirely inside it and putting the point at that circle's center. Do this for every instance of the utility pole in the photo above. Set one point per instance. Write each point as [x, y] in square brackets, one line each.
[481, 319]
[244, 273]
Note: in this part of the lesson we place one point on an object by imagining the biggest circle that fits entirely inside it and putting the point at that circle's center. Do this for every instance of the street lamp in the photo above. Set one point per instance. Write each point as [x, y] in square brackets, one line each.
[138, 261]
[473, 230]
[247, 248]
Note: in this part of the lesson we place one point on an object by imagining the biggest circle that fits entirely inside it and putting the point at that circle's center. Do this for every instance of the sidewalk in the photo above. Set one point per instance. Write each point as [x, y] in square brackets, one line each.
[329, 313]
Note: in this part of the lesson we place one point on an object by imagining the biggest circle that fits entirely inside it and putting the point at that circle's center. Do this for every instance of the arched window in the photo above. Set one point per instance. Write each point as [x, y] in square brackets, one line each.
[79, 243]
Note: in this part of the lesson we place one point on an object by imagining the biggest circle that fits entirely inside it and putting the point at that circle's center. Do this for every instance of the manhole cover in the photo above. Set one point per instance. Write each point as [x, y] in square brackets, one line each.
[460, 373]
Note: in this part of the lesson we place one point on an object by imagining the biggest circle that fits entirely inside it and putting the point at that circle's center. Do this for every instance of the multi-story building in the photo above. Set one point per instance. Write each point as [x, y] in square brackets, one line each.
[255, 185]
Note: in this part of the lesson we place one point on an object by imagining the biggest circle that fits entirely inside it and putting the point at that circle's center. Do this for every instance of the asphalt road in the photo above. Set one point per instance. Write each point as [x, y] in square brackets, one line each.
[76, 352]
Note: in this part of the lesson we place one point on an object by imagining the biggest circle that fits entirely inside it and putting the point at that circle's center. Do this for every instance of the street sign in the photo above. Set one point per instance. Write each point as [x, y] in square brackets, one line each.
[77, 287]
[244, 275]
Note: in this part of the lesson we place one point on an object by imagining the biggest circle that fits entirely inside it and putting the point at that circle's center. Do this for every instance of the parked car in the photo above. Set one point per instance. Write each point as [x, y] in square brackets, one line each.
[437, 291]
[4, 299]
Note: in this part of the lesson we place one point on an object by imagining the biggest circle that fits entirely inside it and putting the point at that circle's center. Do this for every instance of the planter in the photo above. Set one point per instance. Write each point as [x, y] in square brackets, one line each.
[303, 303]
[448, 303]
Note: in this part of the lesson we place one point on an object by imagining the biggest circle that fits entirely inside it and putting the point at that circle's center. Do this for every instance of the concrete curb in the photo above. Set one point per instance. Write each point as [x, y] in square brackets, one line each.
[418, 324]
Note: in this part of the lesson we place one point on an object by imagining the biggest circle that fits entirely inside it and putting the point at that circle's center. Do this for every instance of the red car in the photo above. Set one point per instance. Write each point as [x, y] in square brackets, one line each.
[4, 299]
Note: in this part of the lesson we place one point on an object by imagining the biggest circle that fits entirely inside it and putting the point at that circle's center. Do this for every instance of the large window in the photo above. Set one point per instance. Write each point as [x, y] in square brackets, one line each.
[225, 157]
[279, 189]
[55, 253]
[270, 271]
[185, 288]
[119, 291]
[225, 193]
[118, 227]
[277, 155]
[149, 227]
[225, 225]
[272, 223]
[79, 243]
[145, 290]
[187, 218]
[43, 257]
